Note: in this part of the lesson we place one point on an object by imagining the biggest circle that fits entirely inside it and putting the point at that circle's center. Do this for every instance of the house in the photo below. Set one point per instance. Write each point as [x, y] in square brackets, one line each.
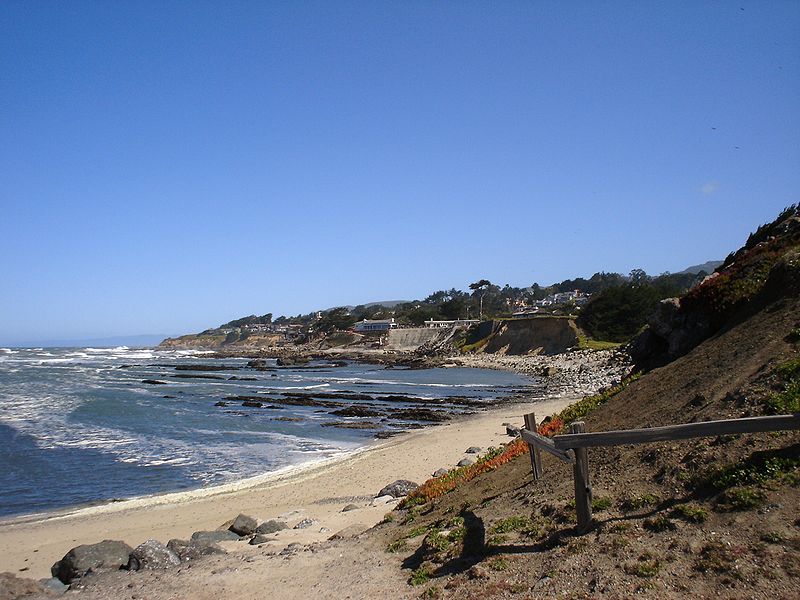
[375, 325]
[432, 324]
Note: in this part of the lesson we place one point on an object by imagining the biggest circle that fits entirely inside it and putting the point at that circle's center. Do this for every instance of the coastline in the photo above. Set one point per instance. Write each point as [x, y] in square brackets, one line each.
[30, 544]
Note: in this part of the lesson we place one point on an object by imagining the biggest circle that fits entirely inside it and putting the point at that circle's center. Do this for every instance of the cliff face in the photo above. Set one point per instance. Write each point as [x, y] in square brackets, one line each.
[215, 342]
[538, 335]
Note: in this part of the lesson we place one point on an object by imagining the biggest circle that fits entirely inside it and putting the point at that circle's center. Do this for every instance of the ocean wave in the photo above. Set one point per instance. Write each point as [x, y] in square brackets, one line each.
[9, 351]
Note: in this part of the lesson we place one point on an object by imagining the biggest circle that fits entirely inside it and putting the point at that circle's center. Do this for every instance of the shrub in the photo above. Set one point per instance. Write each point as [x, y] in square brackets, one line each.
[693, 513]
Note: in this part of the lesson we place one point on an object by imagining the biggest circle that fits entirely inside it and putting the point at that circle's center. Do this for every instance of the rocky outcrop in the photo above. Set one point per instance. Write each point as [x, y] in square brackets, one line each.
[398, 489]
[192, 549]
[244, 525]
[152, 555]
[105, 555]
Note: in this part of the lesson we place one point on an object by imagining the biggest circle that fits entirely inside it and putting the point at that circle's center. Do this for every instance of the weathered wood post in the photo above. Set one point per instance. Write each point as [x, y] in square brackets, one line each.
[583, 487]
[536, 454]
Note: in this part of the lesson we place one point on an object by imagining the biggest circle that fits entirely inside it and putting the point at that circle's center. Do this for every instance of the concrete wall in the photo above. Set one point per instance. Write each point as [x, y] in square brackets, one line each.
[412, 338]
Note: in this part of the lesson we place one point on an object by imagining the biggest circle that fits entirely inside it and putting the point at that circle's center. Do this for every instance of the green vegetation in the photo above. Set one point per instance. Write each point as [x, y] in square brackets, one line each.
[772, 537]
[757, 469]
[786, 401]
[601, 503]
[659, 524]
[512, 524]
[585, 343]
[692, 513]
[741, 498]
[397, 546]
[500, 563]
[718, 558]
[421, 575]
[647, 565]
[638, 502]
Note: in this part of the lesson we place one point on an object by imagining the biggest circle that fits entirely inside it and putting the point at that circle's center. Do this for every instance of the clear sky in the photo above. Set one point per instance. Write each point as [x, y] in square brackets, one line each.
[168, 166]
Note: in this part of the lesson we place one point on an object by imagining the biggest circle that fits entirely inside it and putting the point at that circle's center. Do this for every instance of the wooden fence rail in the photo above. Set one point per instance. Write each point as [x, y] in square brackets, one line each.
[572, 447]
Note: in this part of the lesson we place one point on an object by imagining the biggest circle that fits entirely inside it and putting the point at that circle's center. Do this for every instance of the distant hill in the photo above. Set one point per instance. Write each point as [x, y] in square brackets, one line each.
[386, 303]
[708, 267]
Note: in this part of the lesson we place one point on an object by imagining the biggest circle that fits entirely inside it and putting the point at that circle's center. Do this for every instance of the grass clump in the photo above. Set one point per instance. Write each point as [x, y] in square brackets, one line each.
[500, 563]
[638, 502]
[692, 513]
[421, 576]
[716, 557]
[647, 565]
[601, 503]
[786, 401]
[756, 470]
[772, 537]
[741, 498]
[659, 524]
[512, 524]
[397, 546]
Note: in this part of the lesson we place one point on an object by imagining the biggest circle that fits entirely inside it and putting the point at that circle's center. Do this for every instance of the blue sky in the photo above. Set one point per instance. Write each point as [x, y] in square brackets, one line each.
[168, 166]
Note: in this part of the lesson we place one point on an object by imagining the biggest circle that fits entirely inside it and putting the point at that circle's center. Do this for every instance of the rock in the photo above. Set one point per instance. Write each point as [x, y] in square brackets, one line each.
[271, 527]
[398, 489]
[244, 525]
[305, 523]
[478, 572]
[191, 549]
[356, 411]
[52, 584]
[153, 382]
[421, 414]
[472, 450]
[252, 403]
[293, 548]
[259, 538]
[352, 425]
[221, 403]
[440, 472]
[152, 555]
[219, 535]
[12, 586]
[105, 555]
[512, 430]
[465, 462]
[350, 507]
[349, 532]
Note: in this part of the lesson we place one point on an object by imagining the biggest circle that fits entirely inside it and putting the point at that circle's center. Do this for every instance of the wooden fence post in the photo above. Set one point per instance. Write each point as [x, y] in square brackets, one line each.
[583, 487]
[536, 455]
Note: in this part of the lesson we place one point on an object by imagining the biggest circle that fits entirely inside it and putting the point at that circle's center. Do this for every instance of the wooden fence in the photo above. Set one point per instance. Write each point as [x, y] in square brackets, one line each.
[572, 447]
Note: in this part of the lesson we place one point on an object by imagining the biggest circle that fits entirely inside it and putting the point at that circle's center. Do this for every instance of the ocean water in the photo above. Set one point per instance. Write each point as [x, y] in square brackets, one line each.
[79, 425]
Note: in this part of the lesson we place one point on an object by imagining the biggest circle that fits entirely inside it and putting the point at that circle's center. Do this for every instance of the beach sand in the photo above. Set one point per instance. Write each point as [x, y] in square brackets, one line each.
[30, 545]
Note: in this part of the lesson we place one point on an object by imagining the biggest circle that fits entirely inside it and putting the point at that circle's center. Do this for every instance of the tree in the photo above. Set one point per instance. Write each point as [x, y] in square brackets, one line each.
[335, 319]
[480, 287]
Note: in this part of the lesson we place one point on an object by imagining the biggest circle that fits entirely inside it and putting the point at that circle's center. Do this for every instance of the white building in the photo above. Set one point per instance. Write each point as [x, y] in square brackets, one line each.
[375, 325]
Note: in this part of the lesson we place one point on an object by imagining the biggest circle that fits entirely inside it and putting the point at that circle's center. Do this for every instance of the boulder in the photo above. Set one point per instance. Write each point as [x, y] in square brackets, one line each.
[440, 472]
[219, 535]
[105, 555]
[465, 462]
[305, 523]
[271, 527]
[512, 430]
[54, 585]
[472, 450]
[259, 538]
[398, 489]
[152, 555]
[244, 525]
[190, 549]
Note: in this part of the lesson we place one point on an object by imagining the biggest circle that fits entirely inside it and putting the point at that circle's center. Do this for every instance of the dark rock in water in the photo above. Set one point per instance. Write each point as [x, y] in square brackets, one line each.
[190, 549]
[287, 419]
[252, 403]
[256, 363]
[357, 411]
[169, 397]
[152, 555]
[440, 472]
[218, 535]
[154, 382]
[420, 414]
[205, 367]
[398, 489]
[350, 507]
[465, 462]
[472, 450]
[197, 376]
[244, 525]
[271, 527]
[105, 555]
[289, 401]
[53, 585]
[221, 403]
[235, 378]
[305, 524]
[12, 586]
[259, 538]
[352, 425]
[289, 361]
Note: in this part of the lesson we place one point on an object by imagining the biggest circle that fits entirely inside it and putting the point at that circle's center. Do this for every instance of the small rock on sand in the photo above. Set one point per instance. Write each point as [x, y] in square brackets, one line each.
[305, 523]
[152, 555]
[219, 535]
[472, 450]
[465, 462]
[271, 527]
[350, 507]
[440, 472]
[243, 525]
[398, 489]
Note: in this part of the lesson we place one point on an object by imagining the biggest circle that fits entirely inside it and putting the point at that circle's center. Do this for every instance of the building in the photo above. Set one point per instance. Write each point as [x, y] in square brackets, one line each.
[432, 324]
[375, 325]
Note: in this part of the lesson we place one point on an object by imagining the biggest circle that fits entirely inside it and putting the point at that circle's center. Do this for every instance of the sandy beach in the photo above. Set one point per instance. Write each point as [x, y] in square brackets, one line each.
[30, 545]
